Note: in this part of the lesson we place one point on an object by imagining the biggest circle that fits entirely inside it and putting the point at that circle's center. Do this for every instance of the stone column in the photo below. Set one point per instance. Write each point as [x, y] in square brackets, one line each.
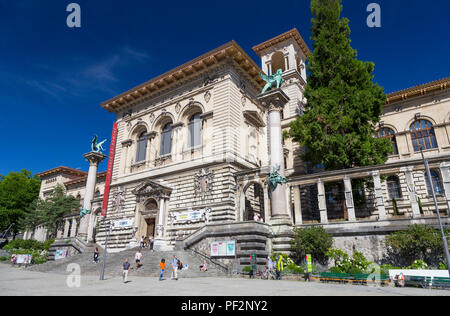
[242, 204]
[275, 100]
[159, 243]
[159, 227]
[73, 232]
[297, 206]
[322, 202]
[412, 190]
[280, 221]
[94, 158]
[66, 228]
[266, 203]
[379, 195]
[288, 201]
[349, 199]
[444, 167]
[92, 222]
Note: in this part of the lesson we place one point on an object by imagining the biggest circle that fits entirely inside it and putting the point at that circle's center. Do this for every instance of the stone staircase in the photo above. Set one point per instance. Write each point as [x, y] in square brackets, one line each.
[150, 264]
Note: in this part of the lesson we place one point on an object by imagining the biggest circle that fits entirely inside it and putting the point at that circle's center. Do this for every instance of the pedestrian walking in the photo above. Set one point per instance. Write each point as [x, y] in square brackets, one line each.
[280, 267]
[96, 255]
[151, 242]
[138, 258]
[174, 268]
[253, 266]
[162, 267]
[125, 268]
[142, 242]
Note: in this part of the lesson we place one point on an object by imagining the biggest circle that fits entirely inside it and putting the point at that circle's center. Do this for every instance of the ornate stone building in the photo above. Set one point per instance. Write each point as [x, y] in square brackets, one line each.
[192, 160]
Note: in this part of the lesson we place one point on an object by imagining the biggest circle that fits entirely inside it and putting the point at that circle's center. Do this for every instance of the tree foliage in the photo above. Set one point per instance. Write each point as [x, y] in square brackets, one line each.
[338, 125]
[418, 242]
[312, 240]
[50, 212]
[17, 192]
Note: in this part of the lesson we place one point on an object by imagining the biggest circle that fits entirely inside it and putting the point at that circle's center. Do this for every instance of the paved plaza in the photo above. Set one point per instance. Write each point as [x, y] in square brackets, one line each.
[18, 281]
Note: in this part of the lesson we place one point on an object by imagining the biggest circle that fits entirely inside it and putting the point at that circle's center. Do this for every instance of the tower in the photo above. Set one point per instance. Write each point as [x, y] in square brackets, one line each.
[289, 53]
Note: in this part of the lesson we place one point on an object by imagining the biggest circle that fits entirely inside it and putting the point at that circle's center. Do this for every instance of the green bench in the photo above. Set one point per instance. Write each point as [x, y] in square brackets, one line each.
[354, 277]
[441, 282]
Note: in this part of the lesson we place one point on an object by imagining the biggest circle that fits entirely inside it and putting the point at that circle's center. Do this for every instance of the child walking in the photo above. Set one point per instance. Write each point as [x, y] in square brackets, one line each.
[162, 266]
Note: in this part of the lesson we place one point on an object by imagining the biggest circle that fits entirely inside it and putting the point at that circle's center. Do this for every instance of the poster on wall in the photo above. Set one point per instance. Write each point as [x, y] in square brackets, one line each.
[23, 259]
[225, 248]
[123, 223]
[60, 254]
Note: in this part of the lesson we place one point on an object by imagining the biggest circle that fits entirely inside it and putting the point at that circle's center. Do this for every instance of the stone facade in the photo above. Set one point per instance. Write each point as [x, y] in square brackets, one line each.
[192, 155]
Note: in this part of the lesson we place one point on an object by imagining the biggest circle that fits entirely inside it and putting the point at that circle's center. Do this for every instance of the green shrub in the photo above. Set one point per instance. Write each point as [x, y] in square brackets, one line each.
[246, 269]
[384, 268]
[443, 266]
[418, 265]
[294, 269]
[421, 242]
[4, 259]
[343, 263]
[314, 241]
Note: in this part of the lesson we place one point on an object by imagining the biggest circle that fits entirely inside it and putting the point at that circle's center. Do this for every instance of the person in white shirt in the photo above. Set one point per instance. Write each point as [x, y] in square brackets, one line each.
[138, 258]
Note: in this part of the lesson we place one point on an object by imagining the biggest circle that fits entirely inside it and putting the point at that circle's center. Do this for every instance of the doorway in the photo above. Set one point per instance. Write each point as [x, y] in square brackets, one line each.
[150, 227]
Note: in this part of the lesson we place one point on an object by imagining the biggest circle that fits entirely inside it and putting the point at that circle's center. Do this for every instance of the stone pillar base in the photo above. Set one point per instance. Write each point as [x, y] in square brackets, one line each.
[282, 234]
[162, 245]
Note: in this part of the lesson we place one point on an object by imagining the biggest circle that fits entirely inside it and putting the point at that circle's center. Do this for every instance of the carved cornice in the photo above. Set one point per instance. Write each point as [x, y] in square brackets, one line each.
[294, 34]
[419, 90]
[155, 86]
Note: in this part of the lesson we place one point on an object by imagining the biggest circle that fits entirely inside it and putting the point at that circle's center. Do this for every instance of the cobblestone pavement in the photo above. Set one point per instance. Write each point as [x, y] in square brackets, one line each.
[19, 281]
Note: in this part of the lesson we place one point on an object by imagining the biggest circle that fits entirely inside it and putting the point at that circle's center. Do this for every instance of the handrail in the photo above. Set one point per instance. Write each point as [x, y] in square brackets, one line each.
[6, 231]
[224, 268]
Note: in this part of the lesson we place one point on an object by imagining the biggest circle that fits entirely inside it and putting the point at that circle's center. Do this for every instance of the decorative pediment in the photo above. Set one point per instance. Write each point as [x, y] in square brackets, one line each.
[153, 189]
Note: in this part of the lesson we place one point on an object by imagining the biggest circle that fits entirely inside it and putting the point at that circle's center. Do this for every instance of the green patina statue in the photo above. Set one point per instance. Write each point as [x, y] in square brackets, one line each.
[275, 178]
[84, 212]
[274, 81]
[97, 147]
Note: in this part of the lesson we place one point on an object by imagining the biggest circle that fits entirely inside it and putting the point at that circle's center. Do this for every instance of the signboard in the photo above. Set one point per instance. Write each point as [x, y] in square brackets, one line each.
[309, 263]
[190, 216]
[23, 259]
[112, 150]
[123, 223]
[223, 248]
[60, 254]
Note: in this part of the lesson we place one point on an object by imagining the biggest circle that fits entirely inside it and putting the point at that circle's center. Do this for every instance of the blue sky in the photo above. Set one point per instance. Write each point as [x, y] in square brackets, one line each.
[53, 78]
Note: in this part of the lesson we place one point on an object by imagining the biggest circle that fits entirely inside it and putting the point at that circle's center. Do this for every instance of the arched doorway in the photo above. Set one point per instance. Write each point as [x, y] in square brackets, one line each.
[150, 211]
[254, 202]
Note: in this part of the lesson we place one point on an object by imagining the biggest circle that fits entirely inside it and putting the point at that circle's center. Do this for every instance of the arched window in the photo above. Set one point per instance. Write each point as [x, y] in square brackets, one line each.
[422, 135]
[195, 131]
[388, 133]
[166, 140]
[394, 189]
[436, 183]
[278, 62]
[141, 147]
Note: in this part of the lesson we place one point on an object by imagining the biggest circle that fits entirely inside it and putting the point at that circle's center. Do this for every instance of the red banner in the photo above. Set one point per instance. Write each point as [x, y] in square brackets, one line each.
[112, 150]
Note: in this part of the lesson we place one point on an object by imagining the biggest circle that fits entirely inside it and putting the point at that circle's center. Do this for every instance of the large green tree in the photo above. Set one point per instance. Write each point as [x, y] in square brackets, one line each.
[343, 104]
[17, 192]
[50, 212]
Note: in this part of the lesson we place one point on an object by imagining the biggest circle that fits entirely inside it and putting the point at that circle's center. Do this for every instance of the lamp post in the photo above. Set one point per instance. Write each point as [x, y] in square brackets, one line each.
[444, 239]
[102, 273]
